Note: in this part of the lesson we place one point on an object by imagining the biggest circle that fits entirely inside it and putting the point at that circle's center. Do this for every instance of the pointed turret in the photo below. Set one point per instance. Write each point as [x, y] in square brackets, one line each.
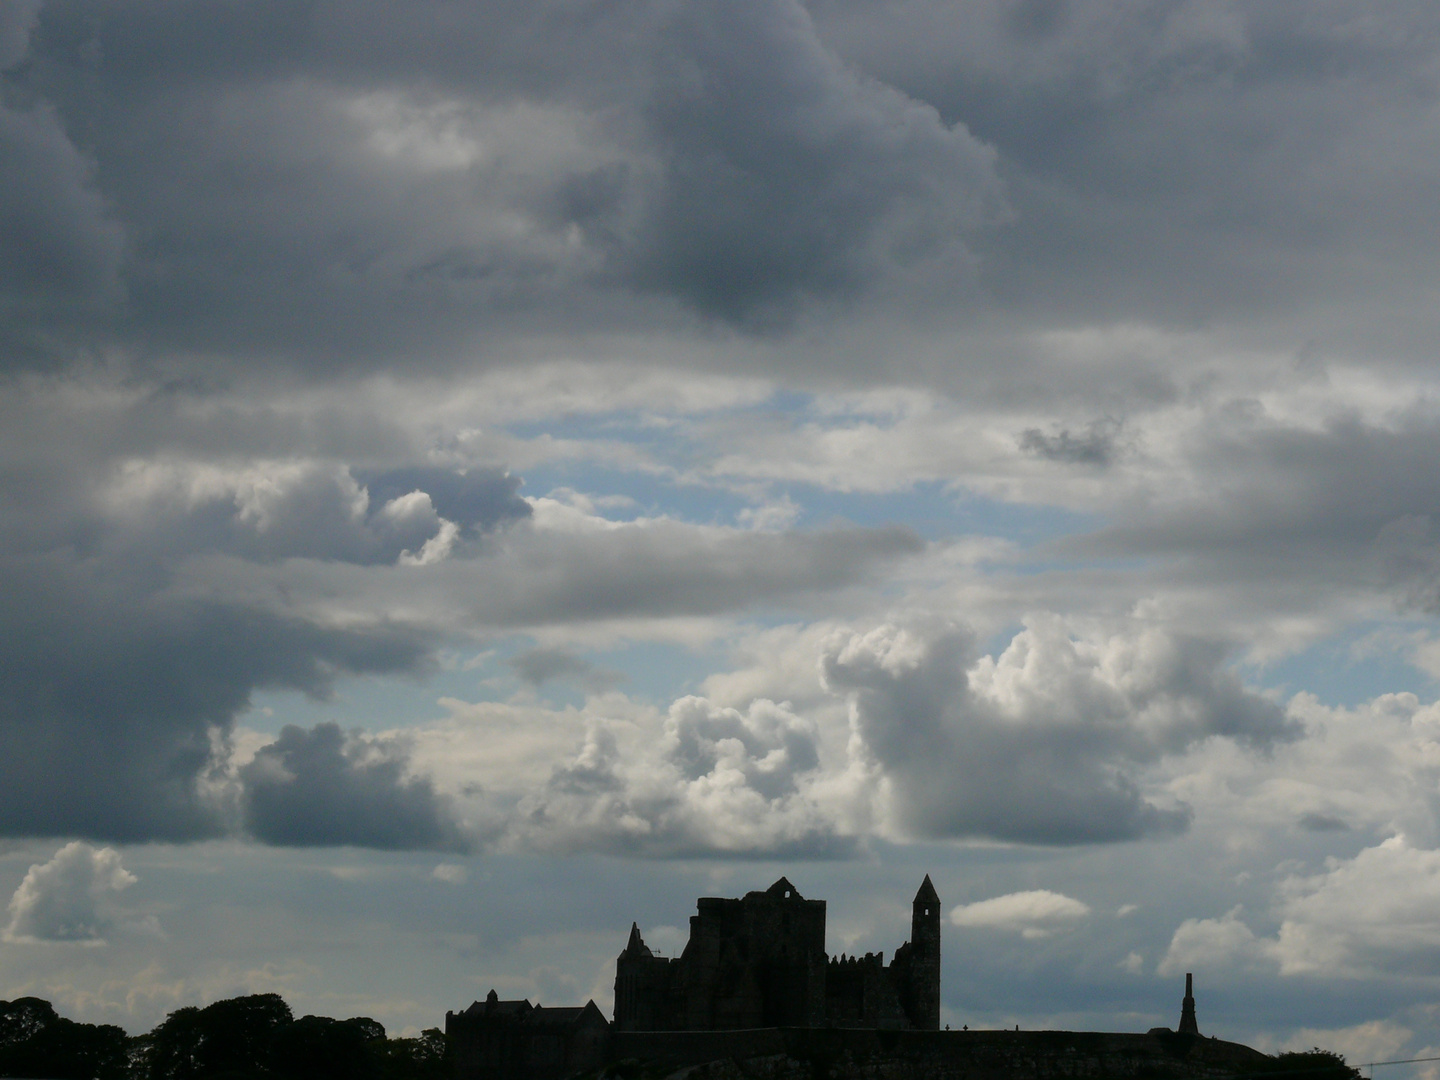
[1187, 1008]
[635, 973]
[636, 946]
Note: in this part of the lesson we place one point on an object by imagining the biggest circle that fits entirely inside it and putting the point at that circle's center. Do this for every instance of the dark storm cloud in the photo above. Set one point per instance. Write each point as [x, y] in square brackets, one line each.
[338, 185]
[55, 242]
[266, 512]
[1322, 823]
[477, 500]
[1095, 446]
[1349, 500]
[117, 703]
[1171, 160]
[1039, 744]
[349, 183]
[119, 693]
[322, 787]
[321, 184]
[785, 174]
[1407, 558]
[357, 516]
[17, 19]
[60, 253]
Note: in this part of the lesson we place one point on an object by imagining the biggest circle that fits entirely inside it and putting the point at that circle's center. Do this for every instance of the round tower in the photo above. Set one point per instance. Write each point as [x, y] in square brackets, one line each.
[925, 957]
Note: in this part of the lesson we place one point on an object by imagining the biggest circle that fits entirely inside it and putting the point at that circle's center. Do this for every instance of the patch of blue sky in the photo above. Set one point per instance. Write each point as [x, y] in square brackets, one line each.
[681, 451]
[659, 672]
[933, 510]
[369, 702]
[1354, 667]
[650, 495]
[1000, 640]
[659, 429]
[665, 437]
[655, 672]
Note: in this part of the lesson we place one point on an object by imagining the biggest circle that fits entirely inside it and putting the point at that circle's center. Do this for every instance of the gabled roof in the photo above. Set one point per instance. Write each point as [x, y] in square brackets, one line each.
[493, 1006]
[784, 890]
[927, 893]
[565, 1015]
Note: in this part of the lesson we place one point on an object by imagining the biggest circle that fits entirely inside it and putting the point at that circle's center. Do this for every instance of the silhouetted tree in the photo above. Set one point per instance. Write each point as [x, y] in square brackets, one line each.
[243, 1038]
[423, 1058]
[36, 1042]
[22, 1018]
[319, 1048]
[229, 1039]
[1315, 1064]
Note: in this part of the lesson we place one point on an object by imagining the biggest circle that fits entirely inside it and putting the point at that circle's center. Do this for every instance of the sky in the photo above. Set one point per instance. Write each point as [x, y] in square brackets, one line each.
[475, 474]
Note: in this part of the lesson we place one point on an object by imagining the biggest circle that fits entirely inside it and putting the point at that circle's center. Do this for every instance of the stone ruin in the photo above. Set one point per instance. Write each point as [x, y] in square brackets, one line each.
[760, 961]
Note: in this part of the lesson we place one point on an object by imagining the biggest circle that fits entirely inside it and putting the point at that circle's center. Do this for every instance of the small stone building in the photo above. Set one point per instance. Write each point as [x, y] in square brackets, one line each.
[503, 1040]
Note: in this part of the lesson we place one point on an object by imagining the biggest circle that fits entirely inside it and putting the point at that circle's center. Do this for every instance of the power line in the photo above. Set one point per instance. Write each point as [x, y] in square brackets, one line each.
[1402, 1061]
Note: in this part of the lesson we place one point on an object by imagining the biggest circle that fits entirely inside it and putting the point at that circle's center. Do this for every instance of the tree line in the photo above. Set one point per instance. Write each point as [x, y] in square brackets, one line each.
[243, 1038]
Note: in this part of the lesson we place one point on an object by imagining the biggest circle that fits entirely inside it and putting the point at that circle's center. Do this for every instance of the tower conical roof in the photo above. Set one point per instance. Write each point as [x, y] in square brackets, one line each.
[927, 893]
[636, 945]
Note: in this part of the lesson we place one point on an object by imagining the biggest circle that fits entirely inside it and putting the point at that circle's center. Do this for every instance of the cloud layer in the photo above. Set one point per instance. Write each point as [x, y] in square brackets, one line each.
[994, 435]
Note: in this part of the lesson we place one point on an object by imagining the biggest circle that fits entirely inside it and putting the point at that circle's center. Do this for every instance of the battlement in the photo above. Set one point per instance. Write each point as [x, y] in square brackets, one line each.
[870, 959]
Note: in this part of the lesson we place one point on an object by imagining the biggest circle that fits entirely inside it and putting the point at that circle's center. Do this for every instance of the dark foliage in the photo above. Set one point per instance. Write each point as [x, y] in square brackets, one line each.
[423, 1058]
[230, 1038]
[245, 1038]
[1314, 1064]
[324, 1049]
[34, 1041]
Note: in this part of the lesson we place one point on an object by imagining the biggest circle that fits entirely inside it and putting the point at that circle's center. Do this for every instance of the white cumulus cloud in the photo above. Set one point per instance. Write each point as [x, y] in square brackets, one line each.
[1211, 945]
[709, 779]
[1042, 743]
[1379, 911]
[1034, 913]
[69, 898]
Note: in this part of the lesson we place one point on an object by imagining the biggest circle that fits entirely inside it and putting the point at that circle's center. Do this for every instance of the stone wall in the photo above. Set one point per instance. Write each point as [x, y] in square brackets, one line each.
[855, 1054]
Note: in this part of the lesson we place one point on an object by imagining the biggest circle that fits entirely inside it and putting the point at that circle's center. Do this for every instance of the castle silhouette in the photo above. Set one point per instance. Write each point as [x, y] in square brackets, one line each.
[760, 962]
[754, 980]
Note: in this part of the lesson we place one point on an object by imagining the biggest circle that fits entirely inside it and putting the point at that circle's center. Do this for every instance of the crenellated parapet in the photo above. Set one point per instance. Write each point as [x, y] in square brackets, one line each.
[876, 959]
